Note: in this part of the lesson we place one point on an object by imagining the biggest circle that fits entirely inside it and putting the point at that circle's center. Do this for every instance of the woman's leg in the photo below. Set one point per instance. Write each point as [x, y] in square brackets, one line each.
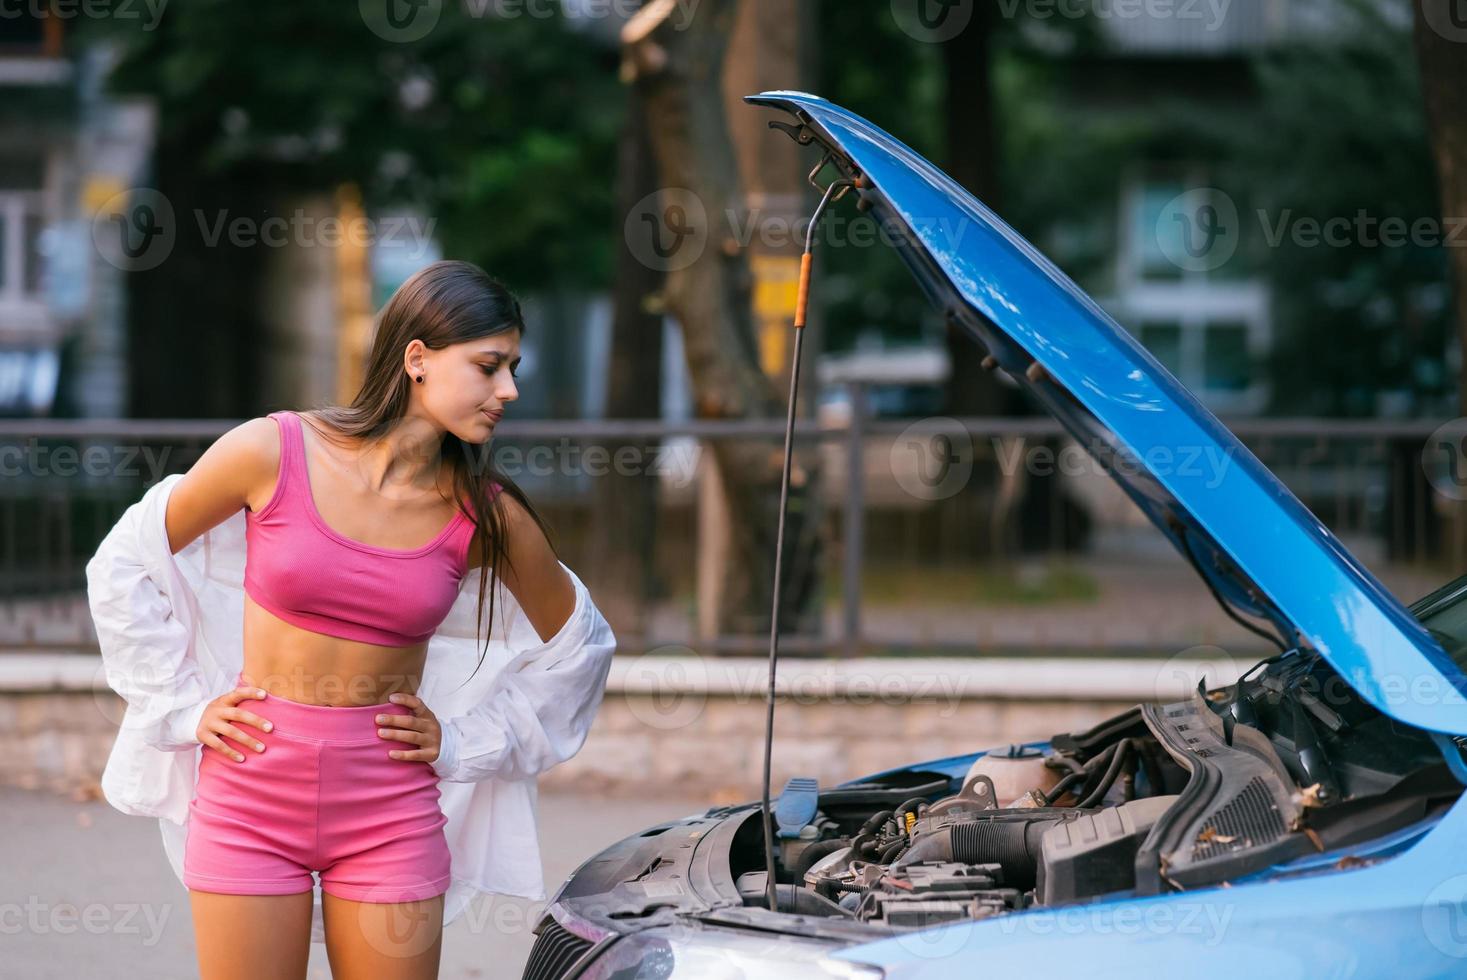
[383, 941]
[252, 937]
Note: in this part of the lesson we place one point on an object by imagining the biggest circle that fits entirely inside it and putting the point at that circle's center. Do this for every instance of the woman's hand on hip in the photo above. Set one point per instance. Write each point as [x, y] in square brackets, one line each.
[221, 719]
[420, 729]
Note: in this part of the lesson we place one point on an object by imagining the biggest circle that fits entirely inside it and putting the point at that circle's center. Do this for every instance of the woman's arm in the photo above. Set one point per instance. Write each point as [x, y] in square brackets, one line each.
[542, 703]
[143, 642]
[533, 574]
[231, 474]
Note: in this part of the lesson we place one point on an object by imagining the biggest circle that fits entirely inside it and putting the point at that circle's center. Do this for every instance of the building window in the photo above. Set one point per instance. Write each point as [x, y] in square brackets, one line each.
[1201, 313]
[1225, 361]
[20, 246]
[1157, 237]
[1164, 340]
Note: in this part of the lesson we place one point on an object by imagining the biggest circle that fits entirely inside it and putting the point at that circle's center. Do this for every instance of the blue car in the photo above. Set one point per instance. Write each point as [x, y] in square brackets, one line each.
[1306, 821]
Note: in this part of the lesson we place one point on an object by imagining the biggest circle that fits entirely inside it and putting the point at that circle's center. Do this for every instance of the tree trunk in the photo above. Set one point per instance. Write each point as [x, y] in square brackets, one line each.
[972, 160]
[1441, 52]
[680, 63]
[623, 548]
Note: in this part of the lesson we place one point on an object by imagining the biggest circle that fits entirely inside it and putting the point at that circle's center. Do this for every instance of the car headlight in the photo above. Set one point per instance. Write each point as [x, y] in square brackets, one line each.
[694, 950]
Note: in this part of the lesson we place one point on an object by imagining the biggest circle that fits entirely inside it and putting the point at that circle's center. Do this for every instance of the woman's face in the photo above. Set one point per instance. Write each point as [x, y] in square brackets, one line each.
[467, 385]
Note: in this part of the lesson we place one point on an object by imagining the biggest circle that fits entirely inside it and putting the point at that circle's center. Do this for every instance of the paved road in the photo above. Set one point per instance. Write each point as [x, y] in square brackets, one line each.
[85, 891]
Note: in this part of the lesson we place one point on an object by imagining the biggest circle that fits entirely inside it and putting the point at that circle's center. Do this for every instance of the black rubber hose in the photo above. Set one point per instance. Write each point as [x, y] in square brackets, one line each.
[900, 812]
[1014, 845]
[1123, 751]
[1086, 771]
[891, 850]
[1063, 786]
[874, 821]
[814, 853]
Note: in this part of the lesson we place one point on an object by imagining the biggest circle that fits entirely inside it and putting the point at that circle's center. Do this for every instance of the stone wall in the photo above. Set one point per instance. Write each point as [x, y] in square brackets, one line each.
[688, 724]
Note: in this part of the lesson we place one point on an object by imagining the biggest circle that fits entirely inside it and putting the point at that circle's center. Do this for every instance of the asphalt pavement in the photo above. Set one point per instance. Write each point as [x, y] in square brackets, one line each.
[86, 891]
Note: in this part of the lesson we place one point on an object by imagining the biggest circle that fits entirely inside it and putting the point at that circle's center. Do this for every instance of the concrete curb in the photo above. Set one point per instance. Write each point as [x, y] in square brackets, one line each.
[889, 679]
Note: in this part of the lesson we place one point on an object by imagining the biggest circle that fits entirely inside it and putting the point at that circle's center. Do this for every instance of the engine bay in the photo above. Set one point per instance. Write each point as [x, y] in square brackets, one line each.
[1229, 783]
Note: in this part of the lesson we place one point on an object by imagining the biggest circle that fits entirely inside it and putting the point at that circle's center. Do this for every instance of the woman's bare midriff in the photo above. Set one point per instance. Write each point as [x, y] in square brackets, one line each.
[301, 665]
[313, 668]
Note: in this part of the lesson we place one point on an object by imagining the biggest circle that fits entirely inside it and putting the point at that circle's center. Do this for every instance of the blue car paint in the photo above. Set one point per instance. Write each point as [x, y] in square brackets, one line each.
[1293, 569]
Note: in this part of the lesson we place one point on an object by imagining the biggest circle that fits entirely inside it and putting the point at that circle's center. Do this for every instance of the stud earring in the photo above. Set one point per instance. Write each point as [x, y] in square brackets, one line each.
[419, 379]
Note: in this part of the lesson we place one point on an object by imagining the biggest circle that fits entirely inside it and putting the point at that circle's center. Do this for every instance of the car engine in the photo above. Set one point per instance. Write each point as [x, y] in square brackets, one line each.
[1160, 798]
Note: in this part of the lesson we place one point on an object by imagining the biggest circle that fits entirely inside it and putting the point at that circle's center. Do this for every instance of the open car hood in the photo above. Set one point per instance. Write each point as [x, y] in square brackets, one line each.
[1243, 530]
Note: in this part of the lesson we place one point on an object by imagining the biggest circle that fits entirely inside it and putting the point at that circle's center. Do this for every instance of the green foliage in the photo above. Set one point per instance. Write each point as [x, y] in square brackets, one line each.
[1340, 134]
[503, 129]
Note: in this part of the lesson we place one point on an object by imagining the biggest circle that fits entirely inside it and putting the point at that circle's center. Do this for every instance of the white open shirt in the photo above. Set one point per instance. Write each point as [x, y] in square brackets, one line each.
[170, 630]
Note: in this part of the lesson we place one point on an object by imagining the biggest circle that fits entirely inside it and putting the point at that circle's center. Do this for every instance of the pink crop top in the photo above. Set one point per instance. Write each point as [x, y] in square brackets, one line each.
[307, 574]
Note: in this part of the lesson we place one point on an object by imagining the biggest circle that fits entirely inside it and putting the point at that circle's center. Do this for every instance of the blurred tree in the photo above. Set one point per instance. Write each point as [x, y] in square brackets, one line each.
[677, 64]
[1363, 313]
[963, 90]
[623, 536]
[500, 128]
[1441, 50]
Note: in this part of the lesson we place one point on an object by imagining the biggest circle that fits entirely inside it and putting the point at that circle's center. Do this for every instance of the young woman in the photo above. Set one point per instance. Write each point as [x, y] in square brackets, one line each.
[361, 523]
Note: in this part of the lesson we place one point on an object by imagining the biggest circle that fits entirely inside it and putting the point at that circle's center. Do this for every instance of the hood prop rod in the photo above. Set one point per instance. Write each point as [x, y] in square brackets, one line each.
[834, 192]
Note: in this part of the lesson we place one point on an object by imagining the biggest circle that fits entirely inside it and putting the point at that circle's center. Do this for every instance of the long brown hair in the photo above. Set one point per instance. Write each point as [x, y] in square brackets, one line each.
[444, 303]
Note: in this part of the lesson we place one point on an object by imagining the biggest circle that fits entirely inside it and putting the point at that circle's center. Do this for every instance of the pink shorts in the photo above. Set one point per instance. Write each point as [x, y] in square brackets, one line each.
[324, 796]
